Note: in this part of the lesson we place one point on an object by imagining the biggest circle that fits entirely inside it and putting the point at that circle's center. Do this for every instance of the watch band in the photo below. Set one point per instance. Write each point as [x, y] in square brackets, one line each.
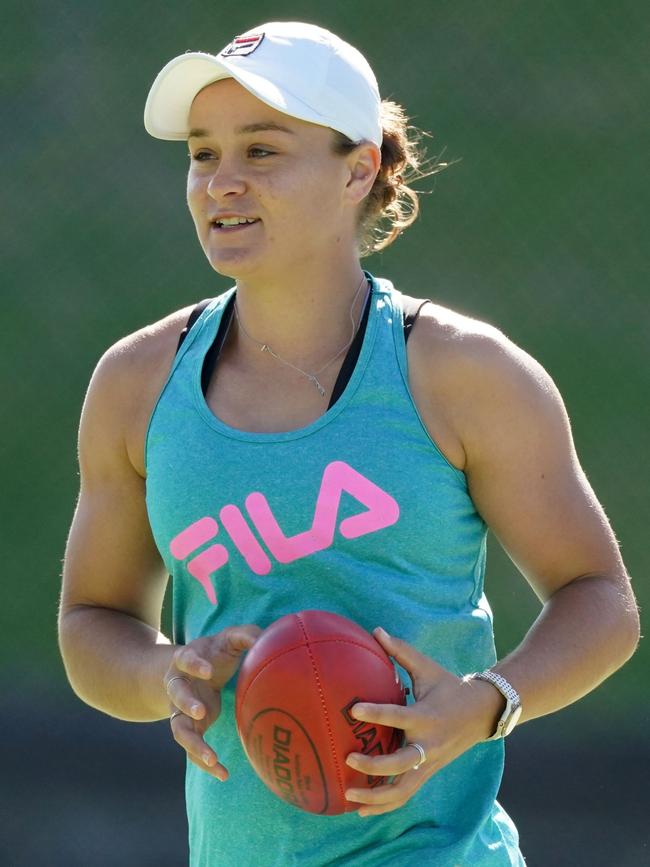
[512, 712]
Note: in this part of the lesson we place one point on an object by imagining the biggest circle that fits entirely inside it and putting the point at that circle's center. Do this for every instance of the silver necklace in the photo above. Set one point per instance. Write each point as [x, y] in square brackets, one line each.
[313, 377]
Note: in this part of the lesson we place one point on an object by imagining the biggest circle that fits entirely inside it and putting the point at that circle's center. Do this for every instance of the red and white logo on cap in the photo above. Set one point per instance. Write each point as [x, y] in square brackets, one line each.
[242, 45]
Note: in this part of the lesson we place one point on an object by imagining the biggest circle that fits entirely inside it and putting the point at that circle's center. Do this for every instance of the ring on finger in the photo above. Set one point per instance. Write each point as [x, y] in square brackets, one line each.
[175, 714]
[423, 755]
[176, 677]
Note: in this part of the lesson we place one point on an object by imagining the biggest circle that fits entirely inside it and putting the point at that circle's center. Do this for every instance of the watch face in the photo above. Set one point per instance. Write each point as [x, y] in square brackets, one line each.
[513, 719]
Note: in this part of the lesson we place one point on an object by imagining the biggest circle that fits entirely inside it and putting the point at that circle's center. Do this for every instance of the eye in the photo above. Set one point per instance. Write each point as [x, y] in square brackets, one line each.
[255, 152]
[199, 155]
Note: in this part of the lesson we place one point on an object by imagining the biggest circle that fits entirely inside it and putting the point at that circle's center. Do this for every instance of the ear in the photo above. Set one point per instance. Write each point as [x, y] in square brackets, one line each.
[364, 163]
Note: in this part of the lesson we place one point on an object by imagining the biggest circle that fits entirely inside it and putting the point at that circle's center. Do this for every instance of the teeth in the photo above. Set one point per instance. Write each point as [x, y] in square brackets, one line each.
[233, 221]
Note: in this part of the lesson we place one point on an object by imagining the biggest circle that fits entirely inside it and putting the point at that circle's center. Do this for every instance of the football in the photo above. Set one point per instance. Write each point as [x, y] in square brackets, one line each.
[294, 693]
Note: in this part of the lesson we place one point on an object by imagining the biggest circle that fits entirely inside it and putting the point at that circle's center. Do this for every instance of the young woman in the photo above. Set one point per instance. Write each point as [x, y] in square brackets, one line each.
[224, 464]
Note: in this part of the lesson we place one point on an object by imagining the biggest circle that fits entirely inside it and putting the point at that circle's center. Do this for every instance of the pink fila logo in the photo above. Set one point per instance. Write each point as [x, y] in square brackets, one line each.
[381, 511]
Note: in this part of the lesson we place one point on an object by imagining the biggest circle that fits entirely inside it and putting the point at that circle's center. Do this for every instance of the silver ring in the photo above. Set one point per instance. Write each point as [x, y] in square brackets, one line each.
[175, 714]
[423, 755]
[176, 677]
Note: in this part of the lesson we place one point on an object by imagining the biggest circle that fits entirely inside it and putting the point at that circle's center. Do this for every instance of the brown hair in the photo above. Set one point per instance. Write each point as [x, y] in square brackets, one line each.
[391, 200]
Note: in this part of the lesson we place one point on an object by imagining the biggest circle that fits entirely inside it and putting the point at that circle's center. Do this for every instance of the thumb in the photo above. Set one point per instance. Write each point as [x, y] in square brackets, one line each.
[236, 639]
[227, 651]
[417, 664]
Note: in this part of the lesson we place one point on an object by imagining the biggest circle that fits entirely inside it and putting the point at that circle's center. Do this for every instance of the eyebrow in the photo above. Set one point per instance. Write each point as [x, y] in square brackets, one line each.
[247, 128]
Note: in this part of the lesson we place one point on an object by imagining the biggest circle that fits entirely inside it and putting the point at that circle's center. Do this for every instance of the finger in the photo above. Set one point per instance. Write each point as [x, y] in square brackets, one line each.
[234, 640]
[196, 748]
[183, 697]
[394, 795]
[393, 764]
[395, 715]
[188, 661]
[227, 649]
[217, 770]
[377, 811]
[416, 663]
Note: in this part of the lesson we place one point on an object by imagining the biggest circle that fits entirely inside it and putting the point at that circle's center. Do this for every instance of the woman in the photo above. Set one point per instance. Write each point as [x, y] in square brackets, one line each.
[295, 387]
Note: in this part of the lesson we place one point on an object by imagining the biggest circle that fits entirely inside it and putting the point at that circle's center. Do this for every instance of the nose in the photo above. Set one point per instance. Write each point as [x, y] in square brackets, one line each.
[226, 180]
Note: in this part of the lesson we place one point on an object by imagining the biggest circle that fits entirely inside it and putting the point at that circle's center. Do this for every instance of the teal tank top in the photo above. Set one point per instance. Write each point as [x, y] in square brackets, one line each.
[358, 513]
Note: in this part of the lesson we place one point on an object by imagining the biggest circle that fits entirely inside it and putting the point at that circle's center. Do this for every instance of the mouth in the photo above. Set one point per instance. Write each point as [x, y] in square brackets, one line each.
[221, 228]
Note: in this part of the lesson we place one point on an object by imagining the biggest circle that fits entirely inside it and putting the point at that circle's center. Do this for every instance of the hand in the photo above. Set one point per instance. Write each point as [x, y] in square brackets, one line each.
[449, 716]
[199, 671]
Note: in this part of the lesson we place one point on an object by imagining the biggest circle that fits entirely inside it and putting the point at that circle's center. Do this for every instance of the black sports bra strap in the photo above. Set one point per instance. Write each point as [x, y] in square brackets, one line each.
[411, 308]
[194, 315]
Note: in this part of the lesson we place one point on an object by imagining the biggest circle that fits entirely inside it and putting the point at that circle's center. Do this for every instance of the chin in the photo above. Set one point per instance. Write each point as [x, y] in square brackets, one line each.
[234, 264]
[245, 263]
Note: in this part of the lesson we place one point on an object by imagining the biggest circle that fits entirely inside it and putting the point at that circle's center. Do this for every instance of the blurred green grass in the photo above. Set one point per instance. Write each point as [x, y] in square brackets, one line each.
[540, 229]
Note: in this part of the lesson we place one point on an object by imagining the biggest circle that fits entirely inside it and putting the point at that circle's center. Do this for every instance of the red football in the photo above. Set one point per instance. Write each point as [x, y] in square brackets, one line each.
[294, 691]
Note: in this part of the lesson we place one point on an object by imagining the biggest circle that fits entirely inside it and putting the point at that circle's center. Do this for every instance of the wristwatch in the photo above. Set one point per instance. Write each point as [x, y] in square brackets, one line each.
[511, 714]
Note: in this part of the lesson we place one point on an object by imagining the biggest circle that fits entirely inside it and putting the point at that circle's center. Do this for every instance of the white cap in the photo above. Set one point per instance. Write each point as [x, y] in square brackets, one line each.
[299, 69]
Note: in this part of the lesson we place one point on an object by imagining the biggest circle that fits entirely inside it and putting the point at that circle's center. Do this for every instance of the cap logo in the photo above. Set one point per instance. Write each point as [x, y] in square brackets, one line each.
[242, 45]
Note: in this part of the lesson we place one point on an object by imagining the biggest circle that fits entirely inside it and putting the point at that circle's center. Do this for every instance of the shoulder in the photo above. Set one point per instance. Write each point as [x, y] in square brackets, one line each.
[523, 472]
[135, 359]
[489, 388]
[470, 345]
[143, 346]
[127, 381]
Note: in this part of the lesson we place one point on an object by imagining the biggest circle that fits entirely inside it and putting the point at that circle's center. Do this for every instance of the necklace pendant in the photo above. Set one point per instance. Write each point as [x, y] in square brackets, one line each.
[264, 347]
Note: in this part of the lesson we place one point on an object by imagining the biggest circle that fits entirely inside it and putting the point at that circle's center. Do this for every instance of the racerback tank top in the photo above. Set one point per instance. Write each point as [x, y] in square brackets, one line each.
[358, 513]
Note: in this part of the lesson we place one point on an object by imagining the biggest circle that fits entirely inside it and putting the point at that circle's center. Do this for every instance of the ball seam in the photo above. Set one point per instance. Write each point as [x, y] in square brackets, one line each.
[324, 705]
[284, 650]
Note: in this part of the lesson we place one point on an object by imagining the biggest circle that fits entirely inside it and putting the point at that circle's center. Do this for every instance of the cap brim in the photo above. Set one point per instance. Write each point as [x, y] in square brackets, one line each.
[166, 112]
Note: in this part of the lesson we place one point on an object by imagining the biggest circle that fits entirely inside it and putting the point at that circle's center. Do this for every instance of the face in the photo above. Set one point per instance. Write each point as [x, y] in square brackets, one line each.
[302, 197]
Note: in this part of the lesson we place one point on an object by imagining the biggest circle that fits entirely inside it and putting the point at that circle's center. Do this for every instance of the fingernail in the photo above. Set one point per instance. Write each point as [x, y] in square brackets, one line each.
[349, 795]
[352, 761]
[207, 758]
[196, 710]
[358, 710]
[382, 632]
[205, 670]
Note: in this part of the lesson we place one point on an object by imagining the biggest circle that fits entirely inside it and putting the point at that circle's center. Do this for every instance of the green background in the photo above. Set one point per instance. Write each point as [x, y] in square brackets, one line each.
[539, 229]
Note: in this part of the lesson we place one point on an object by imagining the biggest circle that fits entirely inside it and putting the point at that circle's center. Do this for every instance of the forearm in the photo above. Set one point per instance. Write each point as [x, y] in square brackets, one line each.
[585, 631]
[116, 663]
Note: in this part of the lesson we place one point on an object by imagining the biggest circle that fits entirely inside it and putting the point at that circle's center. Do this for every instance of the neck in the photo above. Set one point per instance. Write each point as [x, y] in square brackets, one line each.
[306, 322]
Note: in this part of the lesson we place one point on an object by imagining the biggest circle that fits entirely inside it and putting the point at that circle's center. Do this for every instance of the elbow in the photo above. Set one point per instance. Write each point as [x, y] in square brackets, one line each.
[627, 624]
[68, 658]
[71, 650]
[631, 631]
[613, 614]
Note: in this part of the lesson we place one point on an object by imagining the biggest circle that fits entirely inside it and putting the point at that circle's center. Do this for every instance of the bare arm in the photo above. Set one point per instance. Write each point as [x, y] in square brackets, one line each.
[115, 663]
[526, 481]
[113, 578]
[116, 658]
